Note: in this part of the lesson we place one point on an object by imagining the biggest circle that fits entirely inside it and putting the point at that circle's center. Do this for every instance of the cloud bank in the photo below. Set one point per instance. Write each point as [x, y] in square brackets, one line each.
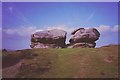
[105, 28]
[21, 31]
[26, 31]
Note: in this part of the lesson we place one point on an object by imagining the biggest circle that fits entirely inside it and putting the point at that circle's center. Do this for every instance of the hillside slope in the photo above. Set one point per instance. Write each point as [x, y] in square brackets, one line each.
[62, 63]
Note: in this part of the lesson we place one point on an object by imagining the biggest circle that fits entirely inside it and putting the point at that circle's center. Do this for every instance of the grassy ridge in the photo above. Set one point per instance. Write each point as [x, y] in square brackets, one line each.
[69, 63]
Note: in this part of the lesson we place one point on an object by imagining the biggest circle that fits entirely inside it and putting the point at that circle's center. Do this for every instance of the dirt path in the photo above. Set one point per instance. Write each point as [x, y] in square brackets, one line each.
[10, 72]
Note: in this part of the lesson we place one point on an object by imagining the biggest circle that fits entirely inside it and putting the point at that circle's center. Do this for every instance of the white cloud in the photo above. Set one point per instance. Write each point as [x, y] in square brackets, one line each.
[10, 31]
[27, 31]
[37, 30]
[62, 27]
[105, 28]
[22, 31]
[116, 28]
[101, 28]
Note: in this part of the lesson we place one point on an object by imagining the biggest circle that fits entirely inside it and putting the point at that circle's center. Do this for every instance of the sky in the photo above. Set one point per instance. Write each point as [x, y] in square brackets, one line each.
[21, 19]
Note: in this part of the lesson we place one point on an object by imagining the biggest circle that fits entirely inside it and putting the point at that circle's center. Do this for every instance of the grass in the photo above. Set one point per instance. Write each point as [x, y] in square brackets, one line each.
[69, 63]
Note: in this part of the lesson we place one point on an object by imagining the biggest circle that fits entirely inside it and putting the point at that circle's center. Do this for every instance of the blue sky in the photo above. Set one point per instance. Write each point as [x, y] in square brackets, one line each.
[20, 19]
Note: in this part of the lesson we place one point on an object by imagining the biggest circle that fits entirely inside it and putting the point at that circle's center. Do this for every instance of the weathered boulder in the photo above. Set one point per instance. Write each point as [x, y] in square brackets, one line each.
[85, 37]
[48, 39]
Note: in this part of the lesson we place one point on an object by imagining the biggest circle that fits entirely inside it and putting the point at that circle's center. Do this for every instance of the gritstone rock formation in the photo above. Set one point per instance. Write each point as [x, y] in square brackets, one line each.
[84, 38]
[48, 39]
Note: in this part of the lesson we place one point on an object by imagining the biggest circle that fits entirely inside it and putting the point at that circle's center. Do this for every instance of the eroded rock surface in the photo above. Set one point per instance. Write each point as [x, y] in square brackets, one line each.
[84, 38]
[48, 39]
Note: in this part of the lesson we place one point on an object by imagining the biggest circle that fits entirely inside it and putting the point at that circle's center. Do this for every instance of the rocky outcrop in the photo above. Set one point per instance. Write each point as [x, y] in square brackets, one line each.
[56, 38]
[84, 38]
[48, 39]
